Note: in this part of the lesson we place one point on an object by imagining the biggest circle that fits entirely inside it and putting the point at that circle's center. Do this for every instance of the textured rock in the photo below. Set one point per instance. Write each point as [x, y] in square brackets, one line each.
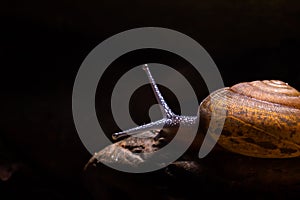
[221, 172]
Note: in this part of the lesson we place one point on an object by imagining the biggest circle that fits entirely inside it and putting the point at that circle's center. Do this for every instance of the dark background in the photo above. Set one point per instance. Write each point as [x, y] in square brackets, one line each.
[43, 44]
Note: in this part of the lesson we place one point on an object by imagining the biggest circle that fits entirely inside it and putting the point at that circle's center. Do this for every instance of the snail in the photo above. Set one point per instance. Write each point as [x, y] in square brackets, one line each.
[262, 118]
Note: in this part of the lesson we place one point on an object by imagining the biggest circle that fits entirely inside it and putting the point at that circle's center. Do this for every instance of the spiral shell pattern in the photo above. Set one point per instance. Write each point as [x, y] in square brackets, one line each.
[262, 118]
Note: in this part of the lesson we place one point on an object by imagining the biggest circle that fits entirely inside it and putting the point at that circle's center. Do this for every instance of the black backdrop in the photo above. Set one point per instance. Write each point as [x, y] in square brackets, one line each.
[43, 43]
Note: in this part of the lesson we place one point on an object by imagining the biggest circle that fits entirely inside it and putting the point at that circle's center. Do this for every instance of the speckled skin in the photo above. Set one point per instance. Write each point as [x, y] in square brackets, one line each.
[262, 118]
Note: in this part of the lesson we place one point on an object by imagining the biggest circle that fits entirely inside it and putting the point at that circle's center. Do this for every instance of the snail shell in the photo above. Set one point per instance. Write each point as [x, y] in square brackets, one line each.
[262, 118]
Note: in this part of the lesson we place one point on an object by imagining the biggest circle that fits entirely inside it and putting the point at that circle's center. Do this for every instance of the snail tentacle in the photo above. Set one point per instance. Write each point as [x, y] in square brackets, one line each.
[169, 118]
[165, 109]
[146, 127]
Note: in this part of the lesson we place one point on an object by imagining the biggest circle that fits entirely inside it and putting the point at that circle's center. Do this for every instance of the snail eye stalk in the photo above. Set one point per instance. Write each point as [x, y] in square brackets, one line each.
[166, 111]
[169, 118]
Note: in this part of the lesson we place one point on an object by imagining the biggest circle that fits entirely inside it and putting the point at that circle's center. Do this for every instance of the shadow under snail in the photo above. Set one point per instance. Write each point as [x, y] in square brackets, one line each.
[262, 118]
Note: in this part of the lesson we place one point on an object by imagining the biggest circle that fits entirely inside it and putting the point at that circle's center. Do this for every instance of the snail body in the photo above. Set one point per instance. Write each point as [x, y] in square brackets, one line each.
[262, 118]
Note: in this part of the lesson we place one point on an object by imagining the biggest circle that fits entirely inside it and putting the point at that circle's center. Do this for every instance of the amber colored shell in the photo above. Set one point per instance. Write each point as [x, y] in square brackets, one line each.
[262, 118]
